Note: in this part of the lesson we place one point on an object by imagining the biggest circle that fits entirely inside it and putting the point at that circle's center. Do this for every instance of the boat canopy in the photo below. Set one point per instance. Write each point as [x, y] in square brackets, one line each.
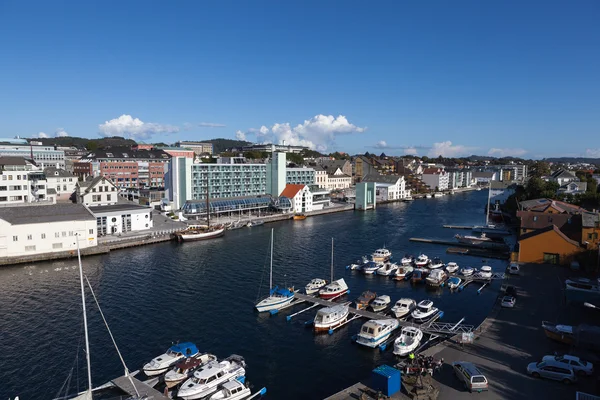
[186, 348]
[281, 292]
[564, 328]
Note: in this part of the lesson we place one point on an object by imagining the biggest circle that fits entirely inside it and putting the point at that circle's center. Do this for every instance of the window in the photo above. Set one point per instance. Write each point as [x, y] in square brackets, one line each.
[100, 188]
[64, 234]
[29, 248]
[108, 197]
[43, 236]
[91, 231]
[29, 237]
[57, 245]
[15, 238]
[56, 234]
[65, 188]
[70, 233]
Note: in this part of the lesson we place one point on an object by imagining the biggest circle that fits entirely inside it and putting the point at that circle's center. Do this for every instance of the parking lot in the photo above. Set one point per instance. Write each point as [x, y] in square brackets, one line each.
[512, 338]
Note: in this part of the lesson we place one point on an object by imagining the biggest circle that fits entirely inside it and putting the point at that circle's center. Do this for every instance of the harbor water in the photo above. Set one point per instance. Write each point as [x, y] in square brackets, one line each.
[204, 292]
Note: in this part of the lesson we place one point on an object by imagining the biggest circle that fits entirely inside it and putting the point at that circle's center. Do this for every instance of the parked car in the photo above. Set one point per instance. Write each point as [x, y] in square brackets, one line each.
[513, 268]
[579, 366]
[508, 302]
[510, 291]
[472, 379]
[546, 369]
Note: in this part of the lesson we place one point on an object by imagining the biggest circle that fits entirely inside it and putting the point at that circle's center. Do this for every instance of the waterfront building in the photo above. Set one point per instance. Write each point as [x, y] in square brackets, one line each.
[178, 151]
[388, 187]
[127, 168]
[320, 176]
[197, 147]
[121, 217]
[60, 181]
[43, 156]
[196, 209]
[299, 176]
[484, 177]
[332, 177]
[458, 177]
[299, 196]
[363, 166]
[22, 181]
[31, 229]
[435, 178]
[365, 196]
[501, 191]
[333, 165]
[98, 191]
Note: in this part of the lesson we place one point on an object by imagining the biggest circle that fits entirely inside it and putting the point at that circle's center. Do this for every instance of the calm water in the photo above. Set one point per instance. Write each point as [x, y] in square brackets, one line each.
[204, 292]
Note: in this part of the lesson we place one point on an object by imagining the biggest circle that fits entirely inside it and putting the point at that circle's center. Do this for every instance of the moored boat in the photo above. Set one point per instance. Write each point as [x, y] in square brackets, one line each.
[408, 341]
[381, 303]
[278, 297]
[482, 241]
[424, 311]
[211, 376]
[363, 301]
[231, 390]
[174, 354]
[185, 369]
[403, 307]
[485, 272]
[454, 282]
[375, 331]
[334, 289]
[299, 217]
[358, 264]
[381, 255]
[370, 268]
[558, 332]
[194, 233]
[422, 261]
[387, 269]
[436, 278]
[330, 317]
[403, 273]
[407, 260]
[315, 285]
[452, 267]
[419, 275]
[256, 222]
[435, 263]
[466, 271]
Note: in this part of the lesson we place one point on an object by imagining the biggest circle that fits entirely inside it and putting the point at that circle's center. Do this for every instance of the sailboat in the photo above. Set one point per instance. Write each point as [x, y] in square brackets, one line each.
[335, 288]
[198, 232]
[490, 230]
[277, 297]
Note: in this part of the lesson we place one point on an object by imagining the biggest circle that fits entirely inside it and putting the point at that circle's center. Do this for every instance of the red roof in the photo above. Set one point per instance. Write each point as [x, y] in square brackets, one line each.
[431, 171]
[291, 191]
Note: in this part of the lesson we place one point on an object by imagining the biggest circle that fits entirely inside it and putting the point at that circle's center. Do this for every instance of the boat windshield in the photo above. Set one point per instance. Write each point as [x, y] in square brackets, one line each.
[423, 308]
[172, 353]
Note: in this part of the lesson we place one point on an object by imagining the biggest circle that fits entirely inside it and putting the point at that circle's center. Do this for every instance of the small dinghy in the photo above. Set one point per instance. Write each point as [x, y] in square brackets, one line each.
[454, 282]
[408, 341]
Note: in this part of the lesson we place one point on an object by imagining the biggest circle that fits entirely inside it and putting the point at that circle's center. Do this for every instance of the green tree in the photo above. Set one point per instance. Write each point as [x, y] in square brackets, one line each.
[295, 158]
[91, 146]
[539, 169]
[592, 185]
[535, 187]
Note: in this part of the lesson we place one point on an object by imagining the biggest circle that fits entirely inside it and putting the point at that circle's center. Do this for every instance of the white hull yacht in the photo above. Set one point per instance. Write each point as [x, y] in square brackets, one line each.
[185, 369]
[387, 269]
[381, 255]
[403, 307]
[330, 317]
[207, 379]
[424, 311]
[376, 331]
[422, 261]
[381, 303]
[452, 267]
[315, 285]
[409, 340]
[172, 356]
[435, 263]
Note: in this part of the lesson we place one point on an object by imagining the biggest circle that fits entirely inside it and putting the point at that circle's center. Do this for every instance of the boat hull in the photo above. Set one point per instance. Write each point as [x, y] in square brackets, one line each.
[331, 295]
[326, 327]
[373, 342]
[274, 306]
[191, 237]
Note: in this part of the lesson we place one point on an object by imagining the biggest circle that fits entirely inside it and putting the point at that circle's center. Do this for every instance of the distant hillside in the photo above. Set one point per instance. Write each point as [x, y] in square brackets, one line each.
[85, 143]
[573, 160]
[221, 144]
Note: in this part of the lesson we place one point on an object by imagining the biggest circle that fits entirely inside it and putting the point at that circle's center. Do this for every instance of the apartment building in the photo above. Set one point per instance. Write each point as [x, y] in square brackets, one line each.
[435, 178]
[43, 156]
[300, 176]
[197, 147]
[22, 181]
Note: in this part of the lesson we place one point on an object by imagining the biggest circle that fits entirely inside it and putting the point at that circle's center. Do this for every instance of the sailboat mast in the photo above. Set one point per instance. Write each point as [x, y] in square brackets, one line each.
[331, 259]
[487, 213]
[271, 273]
[85, 326]
[207, 201]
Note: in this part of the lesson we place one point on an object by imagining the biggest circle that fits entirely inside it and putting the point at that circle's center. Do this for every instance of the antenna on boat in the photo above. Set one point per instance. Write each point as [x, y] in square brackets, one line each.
[88, 393]
[331, 259]
[271, 273]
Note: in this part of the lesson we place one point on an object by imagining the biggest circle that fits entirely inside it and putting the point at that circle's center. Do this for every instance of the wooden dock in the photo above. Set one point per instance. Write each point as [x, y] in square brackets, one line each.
[125, 384]
[500, 255]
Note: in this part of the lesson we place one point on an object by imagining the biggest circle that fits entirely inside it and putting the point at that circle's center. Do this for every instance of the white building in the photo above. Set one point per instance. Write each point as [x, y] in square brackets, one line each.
[99, 191]
[21, 181]
[336, 180]
[43, 156]
[300, 197]
[320, 177]
[436, 178]
[121, 218]
[563, 177]
[37, 229]
[388, 187]
[573, 187]
[65, 183]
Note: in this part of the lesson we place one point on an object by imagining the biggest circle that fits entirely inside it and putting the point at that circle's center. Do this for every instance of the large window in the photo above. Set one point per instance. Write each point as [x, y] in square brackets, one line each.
[551, 258]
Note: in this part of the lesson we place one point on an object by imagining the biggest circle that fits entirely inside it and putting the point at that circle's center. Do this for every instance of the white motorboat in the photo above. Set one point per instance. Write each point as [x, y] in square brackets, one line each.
[403, 273]
[381, 255]
[467, 271]
[278, 297]
[232, 390]
[375, 331]
[387, 269]
[424, 311]
[454, 282]
[207, 379]
[358, 264]
[408, 341]
[422, 261]
[175, 353]
[334, 289]
[185, 369]
[370, 268]
[330, 317]
[451, 267]
[256, 222]
[403, 307]
[315, 285]
[436, 263]
[436, 278]
[381, 303]
[582, 285]
[485, 272]
[197, 233]
[407, 260]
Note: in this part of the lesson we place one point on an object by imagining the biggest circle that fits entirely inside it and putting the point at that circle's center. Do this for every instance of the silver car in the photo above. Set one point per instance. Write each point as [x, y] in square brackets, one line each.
[580, 367]
[551, 370]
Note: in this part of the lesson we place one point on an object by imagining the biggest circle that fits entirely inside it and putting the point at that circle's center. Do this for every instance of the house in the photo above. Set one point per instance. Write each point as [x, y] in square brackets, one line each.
[573, 187]
[435, 178]
[548, 245]
[299, 197]
[320, 176]
[22, 181]
[332, 165]
[121, 217]
[550, 206]
[338, 180]
[98, 191]
[562, 177]
[388, 187]
[363, 166]
[30, 229]
[63, 182]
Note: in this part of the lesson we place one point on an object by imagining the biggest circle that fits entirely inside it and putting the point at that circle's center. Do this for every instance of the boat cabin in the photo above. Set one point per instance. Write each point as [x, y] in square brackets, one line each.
[486, 269]
[331, 314]
[209, 373]
[381, 254]
[372, 328]
[381, 301]
[410, 331]
[182, 349]
[189, 363]
[437, 275]
[233, 387]
[425, 305]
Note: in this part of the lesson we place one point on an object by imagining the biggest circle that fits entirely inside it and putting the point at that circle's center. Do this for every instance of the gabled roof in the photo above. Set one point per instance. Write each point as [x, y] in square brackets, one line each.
[339, 176]
[333, 164]
[13, 160]
[291, 191]
[391, 179]
[562, 173]
[580, 185]
[45, 213]
[548, 229]
[89, 184]
[51, 171]
[432, 171]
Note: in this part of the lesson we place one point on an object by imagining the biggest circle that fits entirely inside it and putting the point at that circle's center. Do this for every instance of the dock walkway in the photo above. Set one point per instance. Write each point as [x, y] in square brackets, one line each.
[124, 383]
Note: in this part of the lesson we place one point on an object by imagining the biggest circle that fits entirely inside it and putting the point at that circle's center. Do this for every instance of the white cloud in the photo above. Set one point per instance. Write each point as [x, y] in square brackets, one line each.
[447, 149]
[410, 151]
[60, 132]
[506, 152]
[592, 153]
[134, 128]
[382, 144]
[239, 135]
[210, 125]
[317, 133]
[42, 135]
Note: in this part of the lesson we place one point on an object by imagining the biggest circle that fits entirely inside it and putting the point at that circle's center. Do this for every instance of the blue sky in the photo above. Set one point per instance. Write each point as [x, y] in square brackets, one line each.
[438, 77]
